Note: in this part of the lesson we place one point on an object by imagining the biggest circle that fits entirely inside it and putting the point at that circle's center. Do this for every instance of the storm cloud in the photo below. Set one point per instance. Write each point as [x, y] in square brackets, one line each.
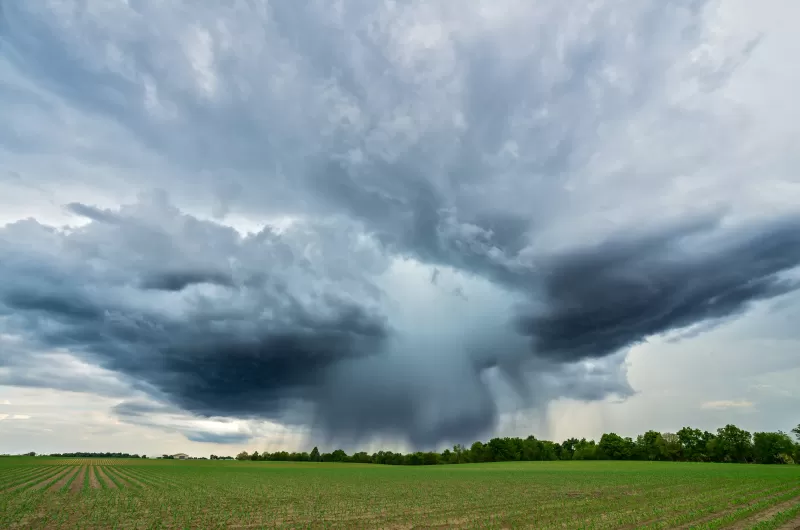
[418, 218]
[280, 340]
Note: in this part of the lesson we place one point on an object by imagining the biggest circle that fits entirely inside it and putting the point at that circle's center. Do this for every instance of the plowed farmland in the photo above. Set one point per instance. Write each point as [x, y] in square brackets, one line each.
[85, 493]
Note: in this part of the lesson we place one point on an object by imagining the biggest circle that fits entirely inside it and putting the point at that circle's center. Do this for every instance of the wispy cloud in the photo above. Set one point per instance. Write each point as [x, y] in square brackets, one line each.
[728, 404]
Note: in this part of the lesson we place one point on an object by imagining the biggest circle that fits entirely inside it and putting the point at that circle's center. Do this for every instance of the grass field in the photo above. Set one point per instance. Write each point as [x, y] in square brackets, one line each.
[86, 493]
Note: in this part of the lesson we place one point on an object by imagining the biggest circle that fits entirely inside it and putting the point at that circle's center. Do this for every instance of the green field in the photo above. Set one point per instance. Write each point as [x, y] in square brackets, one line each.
[45, 492]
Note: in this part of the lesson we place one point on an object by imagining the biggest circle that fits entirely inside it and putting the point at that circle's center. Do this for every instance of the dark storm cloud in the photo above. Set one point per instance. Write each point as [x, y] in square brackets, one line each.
[601, 299]
[91, 212]
[461, 139]
[217, 438]
[140, 408]
[247, 351]
[281, 335]
[163, 417]
[180, 280]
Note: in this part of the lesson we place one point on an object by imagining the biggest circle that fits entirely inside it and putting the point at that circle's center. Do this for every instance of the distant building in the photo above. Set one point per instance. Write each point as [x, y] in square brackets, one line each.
[180, 456]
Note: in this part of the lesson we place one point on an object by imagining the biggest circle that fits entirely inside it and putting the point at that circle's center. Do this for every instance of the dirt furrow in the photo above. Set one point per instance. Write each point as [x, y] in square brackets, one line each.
[765, 515]
[94, 483]
[48, 480]
[129, 479]
[60, 483]
[794, 524]
[77, 484]
[109, 483]
[114, 474]
[730, 509]
[153, 478]
[46, 476]
[9, 481]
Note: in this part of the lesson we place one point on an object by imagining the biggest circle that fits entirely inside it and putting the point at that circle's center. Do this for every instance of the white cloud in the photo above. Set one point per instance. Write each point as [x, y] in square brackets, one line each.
[728, 404]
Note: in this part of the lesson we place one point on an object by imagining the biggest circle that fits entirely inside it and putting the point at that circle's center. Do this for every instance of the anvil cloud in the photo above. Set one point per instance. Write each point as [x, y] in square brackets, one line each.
[380, 219]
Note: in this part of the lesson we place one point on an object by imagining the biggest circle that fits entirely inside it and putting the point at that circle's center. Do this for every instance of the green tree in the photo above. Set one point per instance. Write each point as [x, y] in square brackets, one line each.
[430, 458]
[733, 444]
[550, 450]
[796, 432]
[671, 448]
[773, 448]
[531, 449]
[693, 444]
[458, 451]
[479, 453]
[649, 446]
[585, 450]
[568, 447]
[505, 449]
[339, 456]
[243, 456]
[614, 447]
[314, 457]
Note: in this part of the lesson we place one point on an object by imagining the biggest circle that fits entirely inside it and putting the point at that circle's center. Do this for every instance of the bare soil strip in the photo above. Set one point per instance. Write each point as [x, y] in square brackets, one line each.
[129, 478]
[11, 480]
[94, 483]
[109, 483]
[77, 484]
[725, 511]
[63, 480]
[681, 508]
[794, 524]
[153, 478]
[765, 515]
[48, 475]
[48, 480]
[29, 473]
[116, 476]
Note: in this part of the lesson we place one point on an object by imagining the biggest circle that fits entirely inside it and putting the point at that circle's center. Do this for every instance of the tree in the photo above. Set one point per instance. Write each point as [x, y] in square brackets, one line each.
[585, 450]
[458, 451]
[568, 447]
[505, 449]
[430, 458]
[480, 452]
[314, 457]
[773, 448]
[361, 458]
[693, 444]
[671, 446]
[649, 446]
[614, 447]
[243, 456]
[796, 432]
[733, 444]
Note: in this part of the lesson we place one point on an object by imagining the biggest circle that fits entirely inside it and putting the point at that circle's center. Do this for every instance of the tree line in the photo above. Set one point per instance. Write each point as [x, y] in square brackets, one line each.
[727, 444]
[94, 455]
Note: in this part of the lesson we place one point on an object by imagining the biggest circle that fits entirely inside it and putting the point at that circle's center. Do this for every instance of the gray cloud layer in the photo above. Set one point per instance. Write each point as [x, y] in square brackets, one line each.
[516, 150]
[278, 334]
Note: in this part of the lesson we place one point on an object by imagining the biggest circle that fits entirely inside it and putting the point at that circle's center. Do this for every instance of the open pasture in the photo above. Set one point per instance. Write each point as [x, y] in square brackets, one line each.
[45, 492]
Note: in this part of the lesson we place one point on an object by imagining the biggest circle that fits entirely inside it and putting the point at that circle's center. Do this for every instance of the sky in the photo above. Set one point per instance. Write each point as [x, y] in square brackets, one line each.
[259, 225]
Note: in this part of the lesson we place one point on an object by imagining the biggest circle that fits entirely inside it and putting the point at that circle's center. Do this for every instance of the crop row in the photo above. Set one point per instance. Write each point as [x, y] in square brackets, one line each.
[172, 495]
